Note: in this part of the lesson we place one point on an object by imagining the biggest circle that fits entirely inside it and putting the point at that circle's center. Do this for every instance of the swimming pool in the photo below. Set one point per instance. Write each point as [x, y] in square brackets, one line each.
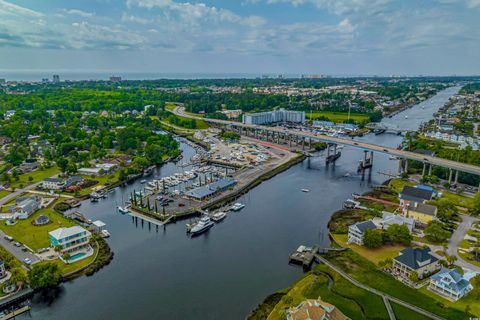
[76, 256]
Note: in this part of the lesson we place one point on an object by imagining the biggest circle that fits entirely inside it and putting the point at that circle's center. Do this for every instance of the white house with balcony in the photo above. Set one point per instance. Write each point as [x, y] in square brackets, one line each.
[73, 241]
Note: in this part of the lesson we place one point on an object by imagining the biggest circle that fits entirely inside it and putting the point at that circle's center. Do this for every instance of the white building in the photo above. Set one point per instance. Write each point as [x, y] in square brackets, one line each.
[357, 230]
[73, 240]
[53, 184]
[274, 116]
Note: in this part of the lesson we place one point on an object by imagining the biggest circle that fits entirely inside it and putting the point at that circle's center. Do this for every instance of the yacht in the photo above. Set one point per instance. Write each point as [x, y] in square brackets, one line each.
[123, 209]
[237, 206]
[219, 216]
[201, 226]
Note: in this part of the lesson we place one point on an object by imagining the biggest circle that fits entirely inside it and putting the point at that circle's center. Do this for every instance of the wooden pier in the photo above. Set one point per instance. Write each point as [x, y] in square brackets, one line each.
[15, 313]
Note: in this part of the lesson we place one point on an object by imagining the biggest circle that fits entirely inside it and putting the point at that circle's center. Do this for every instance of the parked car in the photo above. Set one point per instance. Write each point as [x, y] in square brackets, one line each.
[8, 238]
[17, 244]
[27, 261]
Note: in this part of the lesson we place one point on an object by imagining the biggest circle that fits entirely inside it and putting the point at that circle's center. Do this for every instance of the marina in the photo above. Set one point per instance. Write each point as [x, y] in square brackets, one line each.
[276, 218]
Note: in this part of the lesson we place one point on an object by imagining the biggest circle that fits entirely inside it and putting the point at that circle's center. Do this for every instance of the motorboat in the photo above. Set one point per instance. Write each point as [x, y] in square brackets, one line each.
[122, 209]
[143, 181]
[201, 226]
[104, 233]
[237, 206]
[219, 216]
[305, 190]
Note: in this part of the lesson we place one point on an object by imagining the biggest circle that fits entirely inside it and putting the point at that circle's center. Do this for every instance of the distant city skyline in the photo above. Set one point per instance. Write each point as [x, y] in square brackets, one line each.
[292, 37]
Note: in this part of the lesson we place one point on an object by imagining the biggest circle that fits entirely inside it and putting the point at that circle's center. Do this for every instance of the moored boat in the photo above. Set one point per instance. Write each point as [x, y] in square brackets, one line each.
[219, 216]
[201, 226]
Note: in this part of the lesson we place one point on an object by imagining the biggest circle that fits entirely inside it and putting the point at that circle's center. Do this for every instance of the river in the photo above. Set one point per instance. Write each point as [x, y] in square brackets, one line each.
[225, 273]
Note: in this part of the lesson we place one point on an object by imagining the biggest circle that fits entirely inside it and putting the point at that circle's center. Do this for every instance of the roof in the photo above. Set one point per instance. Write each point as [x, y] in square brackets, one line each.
[425, 209]
[56, 180]
[99, 223]
[415, 258]
[312, 309]
[205, 191]
[450, 278]
[61, 233]
[409, 191]
[365, 225]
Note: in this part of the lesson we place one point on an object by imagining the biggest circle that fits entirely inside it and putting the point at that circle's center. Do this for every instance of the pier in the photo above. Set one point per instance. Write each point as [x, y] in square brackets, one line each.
[304, 256]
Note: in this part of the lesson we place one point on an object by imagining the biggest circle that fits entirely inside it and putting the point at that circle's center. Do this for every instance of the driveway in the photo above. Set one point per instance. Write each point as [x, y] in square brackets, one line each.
[457, 237]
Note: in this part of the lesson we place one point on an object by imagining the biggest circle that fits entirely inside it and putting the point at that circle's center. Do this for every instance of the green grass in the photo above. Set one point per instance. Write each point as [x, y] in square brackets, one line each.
[458, 200]
[339, 117]
[4, 193]
[374, 255]
[354, 302]
[469, 300]
[37, 175]
[402, 313]
[36, 237]
[366, 272]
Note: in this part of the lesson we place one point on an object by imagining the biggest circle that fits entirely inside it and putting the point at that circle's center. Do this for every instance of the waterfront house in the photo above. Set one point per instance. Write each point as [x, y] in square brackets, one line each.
[73, 240]
[389, 219]
[450, 284]
[357, 230]
[415, 259]
[53, 184]
[315, 309]
[421, 212]
[410, 195]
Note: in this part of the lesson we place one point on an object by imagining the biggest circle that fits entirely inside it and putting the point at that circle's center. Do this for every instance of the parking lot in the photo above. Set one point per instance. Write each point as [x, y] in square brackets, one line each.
[21, 253]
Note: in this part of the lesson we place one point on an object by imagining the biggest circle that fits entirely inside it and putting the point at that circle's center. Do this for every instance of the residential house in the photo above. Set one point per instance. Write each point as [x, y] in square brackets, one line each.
[450, 284]
[73, 240]
[40, 147]
[389, 219]
[421, 212]
[357, 231]
[415, 259]
[73, 182]
[410, 195]
[53, 184]
[26, 167]
[315, 309]
[25, 206]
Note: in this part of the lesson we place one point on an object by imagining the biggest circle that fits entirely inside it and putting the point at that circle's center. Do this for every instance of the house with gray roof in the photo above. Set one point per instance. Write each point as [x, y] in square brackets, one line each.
[450, 284]
[410, 195]
[357, 231]
[415, 259]
[25, 207]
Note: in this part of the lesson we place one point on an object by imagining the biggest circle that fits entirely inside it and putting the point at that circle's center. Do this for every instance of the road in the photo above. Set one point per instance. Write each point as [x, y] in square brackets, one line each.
[463, 167]
[383, 295]
[18, 192]
[456, 239]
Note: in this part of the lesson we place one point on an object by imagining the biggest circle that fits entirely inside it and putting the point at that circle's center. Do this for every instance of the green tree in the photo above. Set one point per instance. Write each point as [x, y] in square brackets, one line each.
[436, 233]
[373, 238]
[44, 275]
[399, 233]
[446, 209]
[476, 202]
[414, 276]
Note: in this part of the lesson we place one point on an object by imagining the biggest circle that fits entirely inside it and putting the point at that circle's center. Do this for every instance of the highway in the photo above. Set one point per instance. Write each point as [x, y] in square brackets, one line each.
[454, 165]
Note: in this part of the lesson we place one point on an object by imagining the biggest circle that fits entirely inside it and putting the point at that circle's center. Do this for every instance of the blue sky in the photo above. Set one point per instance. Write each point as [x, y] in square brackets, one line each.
[337, 37]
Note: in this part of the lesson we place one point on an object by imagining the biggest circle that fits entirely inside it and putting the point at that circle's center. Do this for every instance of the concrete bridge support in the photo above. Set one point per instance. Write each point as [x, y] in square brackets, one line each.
[450, 176]
[424, 169]
[456, 177]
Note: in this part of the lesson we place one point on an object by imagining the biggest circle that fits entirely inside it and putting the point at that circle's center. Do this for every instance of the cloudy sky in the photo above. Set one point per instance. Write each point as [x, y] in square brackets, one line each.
[337, 37]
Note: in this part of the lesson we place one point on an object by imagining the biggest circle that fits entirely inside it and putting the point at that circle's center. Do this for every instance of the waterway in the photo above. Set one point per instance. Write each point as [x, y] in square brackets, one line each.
[225, 273]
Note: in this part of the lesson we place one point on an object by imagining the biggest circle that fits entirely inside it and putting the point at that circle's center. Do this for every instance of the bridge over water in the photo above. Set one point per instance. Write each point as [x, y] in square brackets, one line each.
[297, 135]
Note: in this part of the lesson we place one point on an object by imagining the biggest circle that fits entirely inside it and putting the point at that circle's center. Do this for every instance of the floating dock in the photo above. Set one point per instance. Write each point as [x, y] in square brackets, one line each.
[304, 256]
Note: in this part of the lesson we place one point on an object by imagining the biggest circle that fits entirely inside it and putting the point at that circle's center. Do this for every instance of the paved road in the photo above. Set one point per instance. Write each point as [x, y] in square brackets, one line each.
[17, 192]
[456, 239]
[378, 292]
[463, 167]
[16, 251]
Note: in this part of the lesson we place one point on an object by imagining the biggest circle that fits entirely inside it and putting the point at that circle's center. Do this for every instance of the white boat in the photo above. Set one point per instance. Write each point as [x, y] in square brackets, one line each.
[237, 206]
[143, 181]
[406, 117]
[201, 226]
[122, 209]
[392, 158]
[104, 233]
[219, 216]
[305, 190]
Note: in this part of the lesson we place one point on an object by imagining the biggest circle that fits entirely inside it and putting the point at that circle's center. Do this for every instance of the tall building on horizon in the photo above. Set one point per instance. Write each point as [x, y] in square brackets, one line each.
[56, 78]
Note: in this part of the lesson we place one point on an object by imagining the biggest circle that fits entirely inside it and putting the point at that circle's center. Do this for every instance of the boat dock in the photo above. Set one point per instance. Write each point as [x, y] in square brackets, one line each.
[304, 256]
[15, 313]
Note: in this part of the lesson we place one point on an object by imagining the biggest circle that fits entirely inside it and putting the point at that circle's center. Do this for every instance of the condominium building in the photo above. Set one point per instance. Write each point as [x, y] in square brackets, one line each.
[280, 115]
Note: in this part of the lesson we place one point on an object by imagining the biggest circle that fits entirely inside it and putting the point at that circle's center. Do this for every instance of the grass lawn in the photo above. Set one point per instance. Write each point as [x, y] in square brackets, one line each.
[67, 268]
[366, 272]
[37, 175]
[466, 256]
[338, 117]
[402, 313]
[374, 255]
[458, 200]
[36, 237]
[4, 193]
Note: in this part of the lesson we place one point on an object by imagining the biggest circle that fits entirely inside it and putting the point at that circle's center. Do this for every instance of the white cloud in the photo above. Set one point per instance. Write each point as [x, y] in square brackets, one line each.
[78, 12]
[340, 7]
[10, 9]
